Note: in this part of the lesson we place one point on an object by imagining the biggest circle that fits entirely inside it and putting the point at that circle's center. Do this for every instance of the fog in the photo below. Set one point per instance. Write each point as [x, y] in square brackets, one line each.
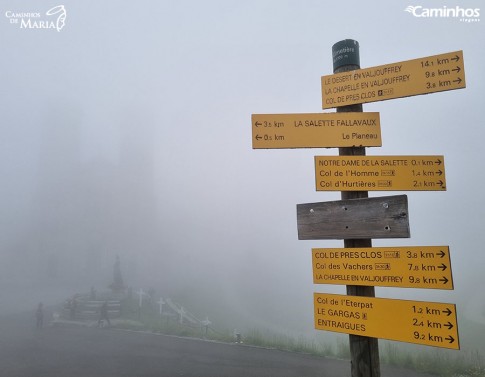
[128, 133]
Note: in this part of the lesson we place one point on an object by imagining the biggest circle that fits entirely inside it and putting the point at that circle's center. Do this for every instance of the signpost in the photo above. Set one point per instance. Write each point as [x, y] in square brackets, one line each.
[408, 267]
[320, 130]
[364, 350]
[419, 322]
[357, 219]
[409, 78]
[382, 173]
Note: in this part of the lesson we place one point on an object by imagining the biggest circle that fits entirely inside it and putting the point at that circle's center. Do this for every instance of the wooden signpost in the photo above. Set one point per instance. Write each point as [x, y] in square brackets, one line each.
[384, 217]
[357, 219]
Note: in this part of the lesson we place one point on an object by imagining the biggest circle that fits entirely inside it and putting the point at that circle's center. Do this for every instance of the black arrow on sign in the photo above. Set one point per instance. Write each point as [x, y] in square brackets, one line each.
[444, 280]
[449, 325]
[440, 183]
[258, 137]
[458, 80]
[457, 69]
[439, 162]
[257, 124]
[448, 312]
[441, 253]
[450, 339]
[443, 267]
[456, 58]
[439, 172]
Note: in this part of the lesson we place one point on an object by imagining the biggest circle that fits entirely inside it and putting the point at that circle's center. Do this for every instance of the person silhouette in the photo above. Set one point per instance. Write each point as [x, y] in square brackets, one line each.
[103, 314]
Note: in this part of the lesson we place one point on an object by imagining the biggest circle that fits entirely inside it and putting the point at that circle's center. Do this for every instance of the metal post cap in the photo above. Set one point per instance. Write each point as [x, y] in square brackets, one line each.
[345, 52]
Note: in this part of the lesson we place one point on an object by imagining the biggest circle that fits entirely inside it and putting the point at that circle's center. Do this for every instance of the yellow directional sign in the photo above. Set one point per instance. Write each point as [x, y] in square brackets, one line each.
[324, 130]
[419, 322]
[382, 173]
[408, 267]
[409, 78]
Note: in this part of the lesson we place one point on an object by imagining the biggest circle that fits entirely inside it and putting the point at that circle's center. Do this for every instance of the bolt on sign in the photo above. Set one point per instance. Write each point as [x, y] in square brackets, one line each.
[318, 130]
[380, 173]
[408, 78]
[405, 267]
[418, 322]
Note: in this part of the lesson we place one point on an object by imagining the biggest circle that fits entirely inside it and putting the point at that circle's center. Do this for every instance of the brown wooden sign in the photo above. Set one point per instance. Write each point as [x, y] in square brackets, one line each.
[382, 217]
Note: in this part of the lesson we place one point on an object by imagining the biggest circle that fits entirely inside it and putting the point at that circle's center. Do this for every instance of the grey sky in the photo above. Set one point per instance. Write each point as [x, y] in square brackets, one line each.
[128, 132]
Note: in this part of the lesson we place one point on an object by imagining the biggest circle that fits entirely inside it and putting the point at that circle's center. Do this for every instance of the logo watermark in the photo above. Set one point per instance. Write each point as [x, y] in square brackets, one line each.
[458, 13]
[54, 19]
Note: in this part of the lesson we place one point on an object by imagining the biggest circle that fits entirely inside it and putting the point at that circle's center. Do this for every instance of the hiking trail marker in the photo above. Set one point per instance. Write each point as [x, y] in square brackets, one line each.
[357, 218]
[319, 130]
[419, 322]
[430, 74]
[380, 173]
[405, 267]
